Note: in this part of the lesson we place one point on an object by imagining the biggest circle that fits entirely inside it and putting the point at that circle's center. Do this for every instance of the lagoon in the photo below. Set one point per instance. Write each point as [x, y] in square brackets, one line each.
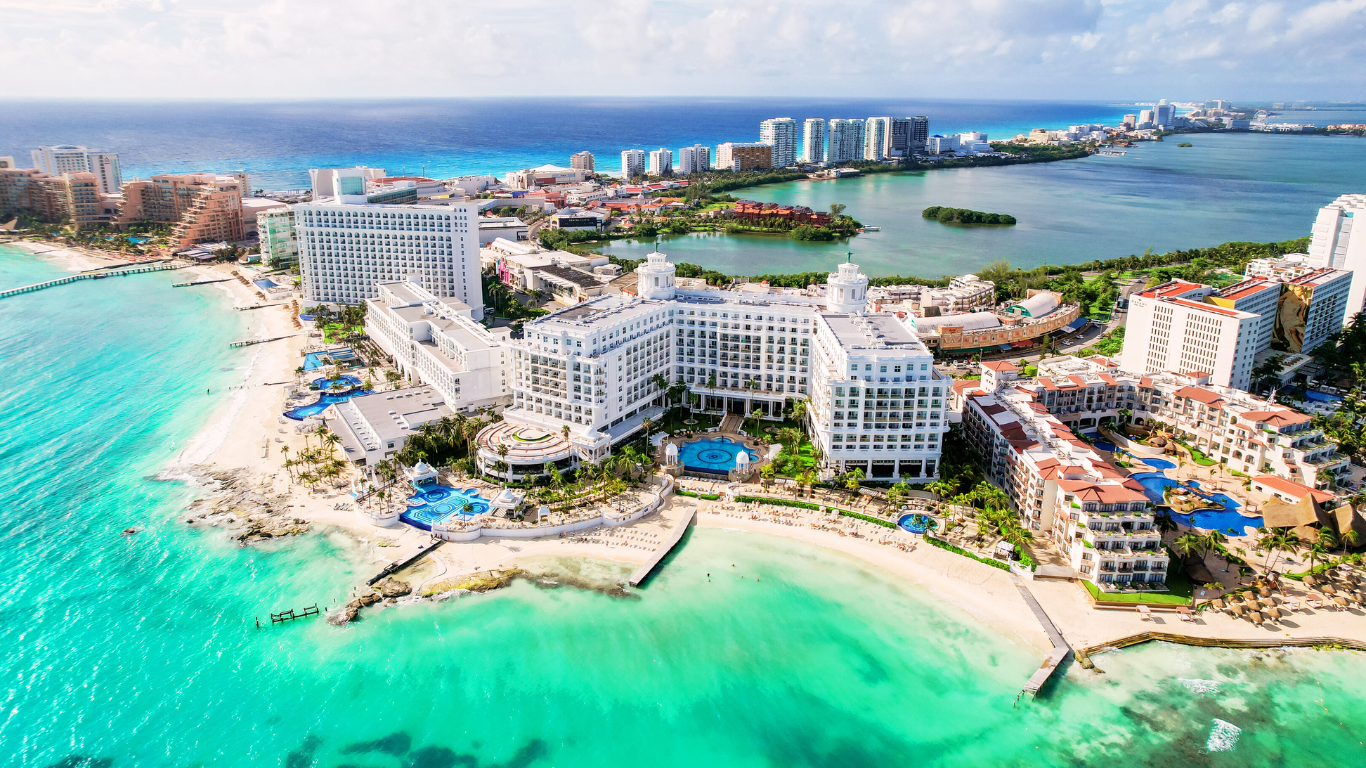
[1255, 187]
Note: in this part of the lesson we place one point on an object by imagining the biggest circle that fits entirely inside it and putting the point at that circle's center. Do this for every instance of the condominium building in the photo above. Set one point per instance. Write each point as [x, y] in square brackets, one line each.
[736, 156]
[876, 131]
[661, 162]
[65, 158]
[920, 132]
[1247, 433]
[204, 207]
[581, 161]
[846, 141]
[1171, 328]
[347, 249]
[813, 140]
[897, 141]
[1164, 114]
[1331, 246]
[73, 198]
[434, 340]
[694, 159]
[1100, 521]
[781, 134]
[1257, 295]
[632, 163]
[1287, 267]
[587, 376]
[276, 235]
[964, 293]
[1312, 307]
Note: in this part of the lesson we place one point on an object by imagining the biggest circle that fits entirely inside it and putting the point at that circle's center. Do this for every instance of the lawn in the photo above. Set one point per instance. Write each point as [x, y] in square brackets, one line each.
[673, 421]
[1151, 598]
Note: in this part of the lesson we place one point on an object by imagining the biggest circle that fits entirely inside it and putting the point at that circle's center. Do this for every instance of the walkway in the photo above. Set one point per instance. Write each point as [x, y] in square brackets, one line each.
[672, 541]
[88, 276]
[1060, 647]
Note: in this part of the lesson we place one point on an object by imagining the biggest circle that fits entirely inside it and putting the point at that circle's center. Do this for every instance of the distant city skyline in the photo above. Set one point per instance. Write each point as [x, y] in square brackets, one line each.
[1045, 49]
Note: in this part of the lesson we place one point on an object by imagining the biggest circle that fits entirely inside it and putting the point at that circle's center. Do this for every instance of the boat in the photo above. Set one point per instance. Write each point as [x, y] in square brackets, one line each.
[872, 229]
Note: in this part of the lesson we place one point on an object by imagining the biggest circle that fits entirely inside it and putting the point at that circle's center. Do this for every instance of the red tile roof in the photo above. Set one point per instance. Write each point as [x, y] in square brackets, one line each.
[1105, 493]
[1203, 395]
[1001, 365]
[1292, 488]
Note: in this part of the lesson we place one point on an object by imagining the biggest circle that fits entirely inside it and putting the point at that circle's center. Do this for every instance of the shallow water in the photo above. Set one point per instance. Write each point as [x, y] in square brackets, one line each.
[746, 650]
[1227, 187]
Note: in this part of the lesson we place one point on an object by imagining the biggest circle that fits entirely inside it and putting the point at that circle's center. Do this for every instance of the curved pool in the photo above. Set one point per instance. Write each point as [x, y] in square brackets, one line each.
[440, 503]
[1157, 463]
[1223, 518]
[324, 400]
[916, 523]
[716, 456]
[341, 383]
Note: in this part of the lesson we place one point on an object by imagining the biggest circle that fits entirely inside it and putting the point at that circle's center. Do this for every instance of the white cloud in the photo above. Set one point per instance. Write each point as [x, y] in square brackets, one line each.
[404, 48]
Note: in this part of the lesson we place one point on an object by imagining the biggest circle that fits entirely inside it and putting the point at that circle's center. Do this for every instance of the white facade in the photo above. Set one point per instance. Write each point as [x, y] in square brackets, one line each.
[781, 134]
[66, 158]
[632, 163]
[876, 130]
[661, 162]
[582, 161]
[813, 140]
[435, 341]
[339, 182]
[347, 249]
[1331, 245]
[592, 368]
[694, 159]
[1171, 329]
[846, 141]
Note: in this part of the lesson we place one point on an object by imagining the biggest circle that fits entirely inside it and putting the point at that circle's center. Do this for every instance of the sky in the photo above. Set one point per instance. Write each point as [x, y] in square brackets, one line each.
[987, 49]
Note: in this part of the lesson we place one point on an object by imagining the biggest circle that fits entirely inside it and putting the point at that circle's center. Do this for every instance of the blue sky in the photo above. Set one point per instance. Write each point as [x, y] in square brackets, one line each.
[1041, 49]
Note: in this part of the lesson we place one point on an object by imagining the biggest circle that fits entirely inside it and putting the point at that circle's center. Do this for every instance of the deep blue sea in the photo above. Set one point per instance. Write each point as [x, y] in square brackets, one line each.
[278, 142]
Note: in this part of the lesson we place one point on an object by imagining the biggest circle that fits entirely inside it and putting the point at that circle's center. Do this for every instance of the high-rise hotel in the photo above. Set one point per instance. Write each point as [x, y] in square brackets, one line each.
[348, 246]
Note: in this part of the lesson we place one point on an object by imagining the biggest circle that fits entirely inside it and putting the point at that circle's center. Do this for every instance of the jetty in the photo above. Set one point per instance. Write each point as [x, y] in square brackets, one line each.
[664, 549]
[1061, 649]
[162, 267]
[291, 614]
[399, 565]
[249, 342]
[1084, 655]
[201, 282]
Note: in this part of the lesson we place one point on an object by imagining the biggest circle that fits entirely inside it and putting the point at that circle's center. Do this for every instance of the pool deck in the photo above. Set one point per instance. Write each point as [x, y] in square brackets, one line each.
[748, 442]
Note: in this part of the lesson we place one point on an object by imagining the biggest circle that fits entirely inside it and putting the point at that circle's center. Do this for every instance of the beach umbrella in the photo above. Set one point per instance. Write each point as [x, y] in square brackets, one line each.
[1342, 601]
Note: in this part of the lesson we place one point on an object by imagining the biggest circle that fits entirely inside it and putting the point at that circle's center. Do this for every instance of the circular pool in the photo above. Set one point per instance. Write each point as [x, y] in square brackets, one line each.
[916, 523]
[441, 503]
[716, 456]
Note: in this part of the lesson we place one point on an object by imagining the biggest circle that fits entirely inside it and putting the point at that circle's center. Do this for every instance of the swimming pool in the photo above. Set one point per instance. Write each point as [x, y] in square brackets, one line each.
[339, 384]
[440, 503]
[1223, 518]
[916, 523]
[1158, 463]
[1321, 397]
[314, 360]
[1104, 445]
[265, 284]
[716, 455]
[324, 400]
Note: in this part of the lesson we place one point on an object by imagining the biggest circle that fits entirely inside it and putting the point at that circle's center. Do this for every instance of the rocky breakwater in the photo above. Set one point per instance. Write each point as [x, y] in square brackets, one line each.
[251, 513]
[384, 591]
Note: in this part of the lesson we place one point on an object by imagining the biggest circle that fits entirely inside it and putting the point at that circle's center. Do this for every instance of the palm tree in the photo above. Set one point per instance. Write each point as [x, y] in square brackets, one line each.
[756, 415]
[564, 430]
[853, 478]
[1189, 546]
[1164, 522]
[799, 410]
[647, 425]
[766, 474]
[1317, 552]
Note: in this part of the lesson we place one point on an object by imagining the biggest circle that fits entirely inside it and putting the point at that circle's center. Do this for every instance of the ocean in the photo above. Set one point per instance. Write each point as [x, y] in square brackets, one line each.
[746, 651]
[1226, 187]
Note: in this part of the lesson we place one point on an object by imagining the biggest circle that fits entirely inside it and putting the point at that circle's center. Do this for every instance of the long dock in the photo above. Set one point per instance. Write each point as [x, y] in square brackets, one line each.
[249, 342]
[393, 568]
[1061, 649]
[202, 282]
[664, 549]
[87, 276]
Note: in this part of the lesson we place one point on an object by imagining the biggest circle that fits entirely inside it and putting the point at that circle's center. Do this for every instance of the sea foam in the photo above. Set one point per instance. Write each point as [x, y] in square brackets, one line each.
[1199, 686]
[1223, 736]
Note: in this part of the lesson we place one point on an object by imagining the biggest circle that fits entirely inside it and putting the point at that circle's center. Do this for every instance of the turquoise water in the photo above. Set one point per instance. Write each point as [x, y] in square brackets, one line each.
[746, 651]
[314, 360]
[1222, 518]
[715, 455]
[916, 523]
[1226, 187]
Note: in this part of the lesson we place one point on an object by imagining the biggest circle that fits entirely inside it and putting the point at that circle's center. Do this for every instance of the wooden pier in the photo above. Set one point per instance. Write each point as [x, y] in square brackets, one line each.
[202, 282]
[88, 276]
[395, 567]
[1061, 650]
[250, 342]
[664, 549]
[292, 615]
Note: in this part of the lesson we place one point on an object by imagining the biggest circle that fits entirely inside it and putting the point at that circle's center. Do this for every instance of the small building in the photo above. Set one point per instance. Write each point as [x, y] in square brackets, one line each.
[374, 427]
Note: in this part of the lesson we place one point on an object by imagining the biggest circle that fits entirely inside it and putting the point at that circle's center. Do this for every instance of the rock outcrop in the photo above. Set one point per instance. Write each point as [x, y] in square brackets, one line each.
[254, 515]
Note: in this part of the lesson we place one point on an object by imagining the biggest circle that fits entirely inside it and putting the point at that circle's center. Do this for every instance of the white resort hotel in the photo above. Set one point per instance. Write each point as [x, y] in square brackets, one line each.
[586, 377]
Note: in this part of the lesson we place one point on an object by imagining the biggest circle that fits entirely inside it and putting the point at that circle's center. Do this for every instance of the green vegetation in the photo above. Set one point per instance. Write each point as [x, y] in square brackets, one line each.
[810, 232]
[1185, 144]
[1347, 426]
[1150, 598]
[810, 505]
[946, 215]
[506, 305]
[707, 496]
[1038, 153]
[960, 551]
[1111, 344]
